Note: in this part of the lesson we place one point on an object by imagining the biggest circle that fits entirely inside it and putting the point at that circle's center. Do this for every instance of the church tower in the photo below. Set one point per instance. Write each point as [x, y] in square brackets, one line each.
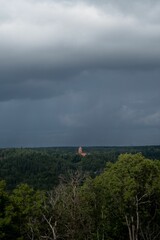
[81, 153]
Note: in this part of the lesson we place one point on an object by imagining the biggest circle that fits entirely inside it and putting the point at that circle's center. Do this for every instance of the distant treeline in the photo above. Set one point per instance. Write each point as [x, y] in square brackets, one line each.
[41, 167]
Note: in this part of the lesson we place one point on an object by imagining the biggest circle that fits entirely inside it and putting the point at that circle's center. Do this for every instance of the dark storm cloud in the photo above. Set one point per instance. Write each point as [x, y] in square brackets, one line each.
[79, 72]
[110, 112]
[56, 40]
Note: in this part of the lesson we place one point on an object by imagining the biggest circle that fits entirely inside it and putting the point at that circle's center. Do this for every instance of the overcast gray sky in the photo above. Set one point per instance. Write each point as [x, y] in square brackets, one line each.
[79, 72]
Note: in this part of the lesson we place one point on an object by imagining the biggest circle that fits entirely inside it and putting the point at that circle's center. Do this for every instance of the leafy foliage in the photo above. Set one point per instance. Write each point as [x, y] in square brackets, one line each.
[122, 202]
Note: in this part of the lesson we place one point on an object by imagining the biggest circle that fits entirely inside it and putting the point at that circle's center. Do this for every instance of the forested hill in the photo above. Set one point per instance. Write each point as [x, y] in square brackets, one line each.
[41, 167]
[121, 203]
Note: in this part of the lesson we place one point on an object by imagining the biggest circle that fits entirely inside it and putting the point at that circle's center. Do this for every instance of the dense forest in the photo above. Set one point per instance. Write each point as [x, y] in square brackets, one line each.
[41, 167]
[54, 194]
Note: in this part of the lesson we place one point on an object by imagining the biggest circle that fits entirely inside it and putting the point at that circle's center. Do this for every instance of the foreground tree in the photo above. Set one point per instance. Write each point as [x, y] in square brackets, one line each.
[130, 196]
[25, 211]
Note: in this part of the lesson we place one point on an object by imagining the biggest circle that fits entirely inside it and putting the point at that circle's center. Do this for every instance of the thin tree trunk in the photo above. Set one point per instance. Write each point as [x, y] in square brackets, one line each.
[129, 228]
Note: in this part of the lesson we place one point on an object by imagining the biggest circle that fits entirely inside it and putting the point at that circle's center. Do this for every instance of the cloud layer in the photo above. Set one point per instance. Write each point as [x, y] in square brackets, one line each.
[79, 72]
[56, 40]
